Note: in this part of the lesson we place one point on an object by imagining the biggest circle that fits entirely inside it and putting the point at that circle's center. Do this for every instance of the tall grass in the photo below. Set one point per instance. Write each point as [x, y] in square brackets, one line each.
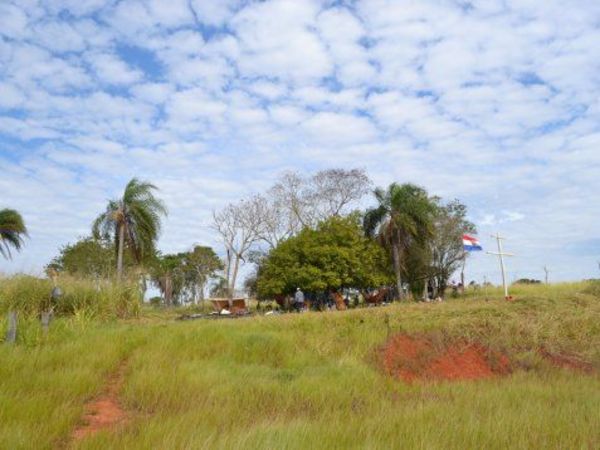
[94, 299]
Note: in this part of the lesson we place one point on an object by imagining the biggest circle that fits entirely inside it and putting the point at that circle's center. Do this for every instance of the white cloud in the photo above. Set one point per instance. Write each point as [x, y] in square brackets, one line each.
[276, 41]
[11, 96]
[59, 37]
[342, 32]
[13, 20]
[153, 93]
[112, 70]
[338, 129]
[213, 13]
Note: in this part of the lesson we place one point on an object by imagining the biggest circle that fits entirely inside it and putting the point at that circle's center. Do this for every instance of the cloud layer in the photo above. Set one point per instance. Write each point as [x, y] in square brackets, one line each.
[493, 102]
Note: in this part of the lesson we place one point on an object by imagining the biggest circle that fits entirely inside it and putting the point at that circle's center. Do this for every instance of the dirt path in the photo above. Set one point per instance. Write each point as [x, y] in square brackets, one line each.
[105, 411]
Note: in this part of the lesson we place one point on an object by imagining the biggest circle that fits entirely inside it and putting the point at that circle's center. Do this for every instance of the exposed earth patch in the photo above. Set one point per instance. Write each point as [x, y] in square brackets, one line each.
[105, 411]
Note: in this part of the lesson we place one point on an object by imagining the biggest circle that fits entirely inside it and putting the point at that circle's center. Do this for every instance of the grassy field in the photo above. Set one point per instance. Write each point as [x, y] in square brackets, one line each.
[311, 380]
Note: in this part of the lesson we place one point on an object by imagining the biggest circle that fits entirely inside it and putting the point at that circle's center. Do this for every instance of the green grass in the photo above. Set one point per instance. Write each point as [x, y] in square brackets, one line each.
[312, 380]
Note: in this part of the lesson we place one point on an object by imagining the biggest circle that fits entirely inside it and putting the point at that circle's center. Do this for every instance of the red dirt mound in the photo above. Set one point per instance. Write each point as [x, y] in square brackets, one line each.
[105, 411]
[418, 358]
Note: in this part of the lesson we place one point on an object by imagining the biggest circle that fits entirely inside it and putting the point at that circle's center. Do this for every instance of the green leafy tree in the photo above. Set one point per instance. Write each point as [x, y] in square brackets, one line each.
[134, 220]
[402, 218]
[86, 257]
[167, 274]
[182, 277]
[220, 287]
[446, 247]
[334, 255]
[12, 231]
[417, 268]
[199, 266]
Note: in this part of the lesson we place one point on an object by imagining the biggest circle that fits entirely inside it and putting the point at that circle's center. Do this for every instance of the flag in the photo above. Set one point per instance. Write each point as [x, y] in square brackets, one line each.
[471, 244]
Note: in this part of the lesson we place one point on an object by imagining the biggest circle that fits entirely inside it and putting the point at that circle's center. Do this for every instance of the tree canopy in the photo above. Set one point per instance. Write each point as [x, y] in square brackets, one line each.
[134, 220]
[334, 255]
[446, 247]
[402, 220]
[86, 257]
[12, 231]
[182, 277]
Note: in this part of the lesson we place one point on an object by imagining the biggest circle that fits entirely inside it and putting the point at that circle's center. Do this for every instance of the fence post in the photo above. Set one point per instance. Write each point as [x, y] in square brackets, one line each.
[46, 316]
[11, 334]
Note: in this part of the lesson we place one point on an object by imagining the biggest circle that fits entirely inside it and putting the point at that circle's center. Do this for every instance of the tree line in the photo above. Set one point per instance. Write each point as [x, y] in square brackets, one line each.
[305, 231]
[308, 232]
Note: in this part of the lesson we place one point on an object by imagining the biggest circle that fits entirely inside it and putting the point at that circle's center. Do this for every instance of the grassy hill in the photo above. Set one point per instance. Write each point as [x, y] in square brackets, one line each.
[312, 380]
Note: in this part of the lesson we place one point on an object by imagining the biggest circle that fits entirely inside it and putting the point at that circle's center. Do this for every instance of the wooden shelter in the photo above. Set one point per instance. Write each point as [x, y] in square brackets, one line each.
[238, 305]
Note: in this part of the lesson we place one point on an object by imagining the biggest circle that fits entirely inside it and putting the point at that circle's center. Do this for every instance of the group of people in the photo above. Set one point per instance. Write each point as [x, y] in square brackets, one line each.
[321, 301]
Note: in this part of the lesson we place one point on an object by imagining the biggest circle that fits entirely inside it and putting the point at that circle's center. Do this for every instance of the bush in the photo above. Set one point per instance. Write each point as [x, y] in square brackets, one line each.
[156, 301]
[101, 299]
[593, 288]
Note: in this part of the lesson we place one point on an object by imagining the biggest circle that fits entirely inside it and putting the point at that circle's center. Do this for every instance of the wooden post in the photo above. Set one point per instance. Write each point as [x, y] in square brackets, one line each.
[485, 286]
[46, 317]
[11, 334]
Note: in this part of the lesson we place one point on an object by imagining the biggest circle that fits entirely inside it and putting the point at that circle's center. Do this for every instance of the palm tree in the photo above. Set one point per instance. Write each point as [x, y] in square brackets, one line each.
[12, 231]
[134, 219]
[403, 216]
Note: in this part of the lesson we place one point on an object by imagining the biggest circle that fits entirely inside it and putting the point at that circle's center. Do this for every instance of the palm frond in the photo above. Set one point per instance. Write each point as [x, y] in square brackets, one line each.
[12, 231]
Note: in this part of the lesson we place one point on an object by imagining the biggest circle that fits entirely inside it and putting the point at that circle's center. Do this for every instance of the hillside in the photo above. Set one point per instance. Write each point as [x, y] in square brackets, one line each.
[312, 380]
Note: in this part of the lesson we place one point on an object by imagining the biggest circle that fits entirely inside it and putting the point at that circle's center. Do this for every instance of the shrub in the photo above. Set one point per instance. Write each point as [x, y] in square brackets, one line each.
[593, 288]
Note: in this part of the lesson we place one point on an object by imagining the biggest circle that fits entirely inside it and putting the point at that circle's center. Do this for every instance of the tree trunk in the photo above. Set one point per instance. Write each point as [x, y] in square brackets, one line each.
[228, 269]
[201, 300]
[236, 267]
[397, 270]
[120, 252]
[168, 290]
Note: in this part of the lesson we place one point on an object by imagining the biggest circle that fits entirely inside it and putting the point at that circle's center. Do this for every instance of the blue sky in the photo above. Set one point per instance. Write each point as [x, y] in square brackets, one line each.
[496, 103]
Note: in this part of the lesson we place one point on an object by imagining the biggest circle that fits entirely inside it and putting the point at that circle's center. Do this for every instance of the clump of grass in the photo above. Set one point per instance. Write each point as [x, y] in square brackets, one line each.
[30, 296]
[592, 288]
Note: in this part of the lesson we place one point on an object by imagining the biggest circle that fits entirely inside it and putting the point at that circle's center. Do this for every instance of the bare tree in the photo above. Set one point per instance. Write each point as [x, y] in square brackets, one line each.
[291, 193]
[311, 200]
[334, 189]
[278, 222]
[546, 272]
[240, 225]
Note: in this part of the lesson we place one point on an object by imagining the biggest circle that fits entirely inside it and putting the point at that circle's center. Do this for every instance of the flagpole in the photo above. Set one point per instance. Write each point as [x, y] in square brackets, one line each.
[462, 272]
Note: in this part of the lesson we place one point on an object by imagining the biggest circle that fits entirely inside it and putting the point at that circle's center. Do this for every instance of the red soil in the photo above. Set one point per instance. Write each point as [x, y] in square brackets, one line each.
[105, 411]
[417, 358]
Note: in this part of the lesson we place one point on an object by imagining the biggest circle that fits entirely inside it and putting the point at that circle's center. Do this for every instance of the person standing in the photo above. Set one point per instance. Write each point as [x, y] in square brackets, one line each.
[299, 300]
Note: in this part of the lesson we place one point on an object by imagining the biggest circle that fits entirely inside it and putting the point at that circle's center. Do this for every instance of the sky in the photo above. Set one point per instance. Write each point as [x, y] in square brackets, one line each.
[493, 102]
